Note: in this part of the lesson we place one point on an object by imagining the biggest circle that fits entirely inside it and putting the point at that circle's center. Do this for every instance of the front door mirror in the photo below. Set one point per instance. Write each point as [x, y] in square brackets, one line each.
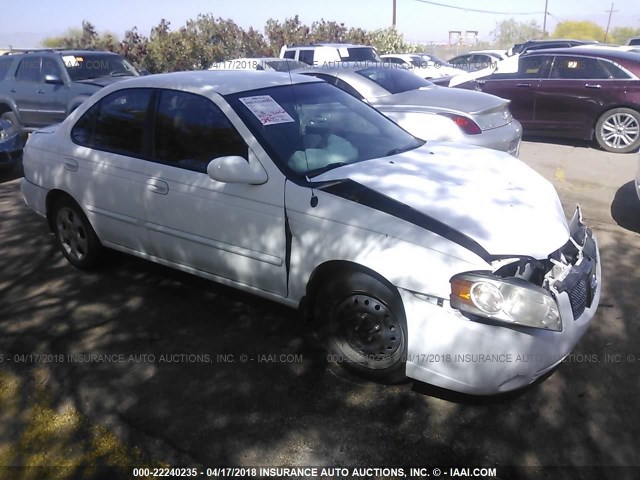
[53, 79]
[235, 169]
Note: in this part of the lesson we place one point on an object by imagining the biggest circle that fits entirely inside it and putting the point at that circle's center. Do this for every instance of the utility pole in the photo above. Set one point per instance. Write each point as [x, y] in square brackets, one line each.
[393, 19]
[544, 21]
[606, 33]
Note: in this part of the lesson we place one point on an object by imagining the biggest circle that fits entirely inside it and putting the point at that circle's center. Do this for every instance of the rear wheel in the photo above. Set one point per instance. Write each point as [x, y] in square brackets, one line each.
[75, 235]
[618, 130]
[364, 325]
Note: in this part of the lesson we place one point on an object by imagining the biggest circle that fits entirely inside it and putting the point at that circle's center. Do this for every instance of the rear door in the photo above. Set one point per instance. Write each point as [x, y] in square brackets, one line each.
[25, 89]
[232, 231]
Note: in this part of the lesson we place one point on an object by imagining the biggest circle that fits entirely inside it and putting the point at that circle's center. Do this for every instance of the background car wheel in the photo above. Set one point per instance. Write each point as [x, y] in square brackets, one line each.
[363, 324]
[75, 235]
[618, 130]
[11, 118]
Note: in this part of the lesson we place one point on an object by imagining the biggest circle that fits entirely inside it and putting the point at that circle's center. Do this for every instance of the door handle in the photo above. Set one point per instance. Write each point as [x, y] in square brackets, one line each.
[13, 90]
[593, 85]
[70, 164]
[158, 186]
[523, 84]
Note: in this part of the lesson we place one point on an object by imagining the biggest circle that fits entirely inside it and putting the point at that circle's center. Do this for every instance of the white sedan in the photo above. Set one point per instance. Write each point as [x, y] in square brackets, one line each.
[452, 265]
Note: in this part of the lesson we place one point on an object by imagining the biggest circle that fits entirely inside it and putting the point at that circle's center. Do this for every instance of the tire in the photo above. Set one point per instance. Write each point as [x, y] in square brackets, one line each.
[618, 130]
[363, 324]
[11, 118]
[75, 236]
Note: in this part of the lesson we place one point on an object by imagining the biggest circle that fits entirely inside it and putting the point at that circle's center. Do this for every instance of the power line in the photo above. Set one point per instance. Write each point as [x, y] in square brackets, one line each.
[466, 9]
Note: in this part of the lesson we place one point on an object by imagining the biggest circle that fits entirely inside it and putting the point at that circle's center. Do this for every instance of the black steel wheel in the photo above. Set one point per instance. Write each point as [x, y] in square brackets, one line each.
[364, 325]
[75, 235]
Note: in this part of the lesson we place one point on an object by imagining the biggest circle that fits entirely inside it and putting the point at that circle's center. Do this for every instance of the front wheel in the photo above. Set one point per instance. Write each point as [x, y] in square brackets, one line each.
[364, 325]
[75, 235]
[618, 130]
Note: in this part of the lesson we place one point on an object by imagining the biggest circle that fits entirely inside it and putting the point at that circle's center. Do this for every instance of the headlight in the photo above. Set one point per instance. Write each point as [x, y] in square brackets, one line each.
[510, 300]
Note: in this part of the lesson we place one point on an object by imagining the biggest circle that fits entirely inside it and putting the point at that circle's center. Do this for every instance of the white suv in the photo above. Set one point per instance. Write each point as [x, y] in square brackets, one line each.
[317, 54]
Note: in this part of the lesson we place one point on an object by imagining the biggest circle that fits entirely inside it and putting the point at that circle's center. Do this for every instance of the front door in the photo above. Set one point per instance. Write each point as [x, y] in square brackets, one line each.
[232, 231]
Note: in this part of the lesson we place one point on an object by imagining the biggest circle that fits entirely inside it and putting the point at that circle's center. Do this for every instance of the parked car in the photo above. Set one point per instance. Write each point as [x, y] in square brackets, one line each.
[42, 87]
[419, 65]
[318, 54]
[470, 62]
[263, 63]
[638, 177]
[520, 48]
[633, 41]
[10, 145]
[577, 92]
[287, 187]
[425, 110]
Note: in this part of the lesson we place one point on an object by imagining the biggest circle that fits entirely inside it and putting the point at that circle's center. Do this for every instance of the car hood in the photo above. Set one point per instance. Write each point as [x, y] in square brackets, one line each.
[102, 81]
[485, 195]
[443, 98]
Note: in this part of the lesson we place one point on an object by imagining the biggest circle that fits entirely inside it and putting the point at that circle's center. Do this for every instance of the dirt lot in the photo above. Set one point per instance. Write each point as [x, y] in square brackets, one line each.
[162, 386]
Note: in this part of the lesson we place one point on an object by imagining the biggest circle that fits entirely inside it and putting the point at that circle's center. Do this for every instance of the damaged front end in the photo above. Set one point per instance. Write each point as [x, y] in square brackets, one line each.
[535, 293]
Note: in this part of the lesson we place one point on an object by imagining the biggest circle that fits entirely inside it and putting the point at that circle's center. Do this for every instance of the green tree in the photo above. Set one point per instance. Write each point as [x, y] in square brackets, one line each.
[579, 30]
[508, 32]
[292, 31]
[620, 35]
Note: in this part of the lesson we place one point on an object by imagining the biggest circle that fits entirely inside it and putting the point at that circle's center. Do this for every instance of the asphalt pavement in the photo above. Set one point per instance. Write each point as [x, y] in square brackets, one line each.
[177, 370]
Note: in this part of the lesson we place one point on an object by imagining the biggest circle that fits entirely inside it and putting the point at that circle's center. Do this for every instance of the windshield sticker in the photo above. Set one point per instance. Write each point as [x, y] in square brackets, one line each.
[344, 53]
[267, 110]
[70, 61]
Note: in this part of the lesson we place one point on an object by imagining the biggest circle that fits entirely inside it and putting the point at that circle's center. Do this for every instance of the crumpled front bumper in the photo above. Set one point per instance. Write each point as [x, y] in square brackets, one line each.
[449, 350]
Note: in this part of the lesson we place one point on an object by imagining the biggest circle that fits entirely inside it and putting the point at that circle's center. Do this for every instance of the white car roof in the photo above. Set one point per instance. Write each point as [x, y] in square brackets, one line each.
[223, 82]
[403, 56]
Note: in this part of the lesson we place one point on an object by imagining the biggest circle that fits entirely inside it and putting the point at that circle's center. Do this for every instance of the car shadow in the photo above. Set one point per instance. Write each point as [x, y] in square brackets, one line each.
[625, 208]
[569, 142]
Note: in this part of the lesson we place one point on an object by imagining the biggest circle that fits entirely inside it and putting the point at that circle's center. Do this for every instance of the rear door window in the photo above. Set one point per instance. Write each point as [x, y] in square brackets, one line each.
[306, 56]
[116, 123]
[29, 69]
[5, 64]
[572, 68]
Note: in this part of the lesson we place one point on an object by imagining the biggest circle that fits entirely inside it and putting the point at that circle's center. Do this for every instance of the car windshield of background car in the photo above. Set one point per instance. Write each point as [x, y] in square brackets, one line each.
[94, 65]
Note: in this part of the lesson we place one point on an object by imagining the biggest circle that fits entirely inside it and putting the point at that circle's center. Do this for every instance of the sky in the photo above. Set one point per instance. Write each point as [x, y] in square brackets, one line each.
[23, 24]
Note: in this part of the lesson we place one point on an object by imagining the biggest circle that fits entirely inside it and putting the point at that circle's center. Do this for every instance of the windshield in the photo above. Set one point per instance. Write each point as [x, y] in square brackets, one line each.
[394, 80]
[310, 128]
[95, 65]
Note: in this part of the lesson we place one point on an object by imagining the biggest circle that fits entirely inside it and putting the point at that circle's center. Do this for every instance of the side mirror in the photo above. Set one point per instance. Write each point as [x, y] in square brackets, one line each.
[144, 72]
[53, 80]
[235, 169]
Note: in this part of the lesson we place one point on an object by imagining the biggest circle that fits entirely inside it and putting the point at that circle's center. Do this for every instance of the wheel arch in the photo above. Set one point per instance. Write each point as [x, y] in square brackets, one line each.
[333, 267]
[52, 197]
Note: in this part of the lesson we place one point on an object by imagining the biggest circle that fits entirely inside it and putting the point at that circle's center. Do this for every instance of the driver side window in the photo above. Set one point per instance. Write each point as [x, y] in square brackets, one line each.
[190, 131]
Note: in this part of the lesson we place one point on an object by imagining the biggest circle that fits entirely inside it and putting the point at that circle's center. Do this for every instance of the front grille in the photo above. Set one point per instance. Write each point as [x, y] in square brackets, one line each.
[578, 296]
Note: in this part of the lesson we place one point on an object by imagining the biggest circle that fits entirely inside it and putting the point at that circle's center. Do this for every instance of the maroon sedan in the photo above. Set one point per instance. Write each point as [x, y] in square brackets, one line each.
[578, 92]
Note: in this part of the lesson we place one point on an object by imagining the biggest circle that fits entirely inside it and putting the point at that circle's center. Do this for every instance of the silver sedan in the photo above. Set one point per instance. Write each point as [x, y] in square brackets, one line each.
[427, 111]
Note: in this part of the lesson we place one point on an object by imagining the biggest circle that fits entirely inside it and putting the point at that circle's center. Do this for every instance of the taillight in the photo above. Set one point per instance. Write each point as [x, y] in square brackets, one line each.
[467, 125]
